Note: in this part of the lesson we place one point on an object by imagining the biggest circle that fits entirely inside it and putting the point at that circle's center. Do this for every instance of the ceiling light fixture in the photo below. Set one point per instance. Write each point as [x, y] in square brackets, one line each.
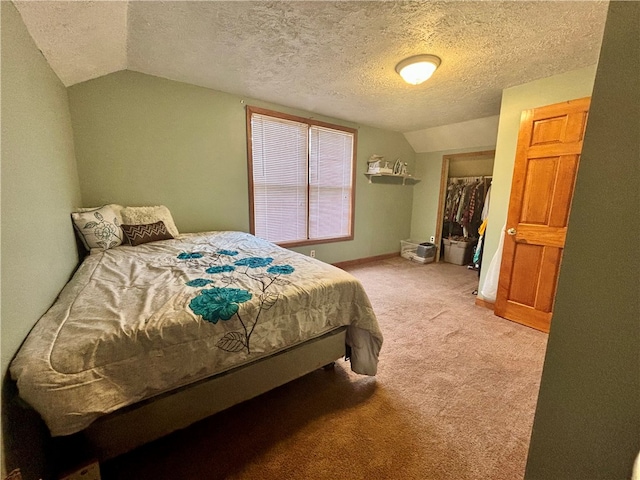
[417, 69]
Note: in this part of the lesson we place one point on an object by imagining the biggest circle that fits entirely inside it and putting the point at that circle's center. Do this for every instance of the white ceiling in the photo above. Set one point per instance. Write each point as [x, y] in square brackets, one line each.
[333, 58]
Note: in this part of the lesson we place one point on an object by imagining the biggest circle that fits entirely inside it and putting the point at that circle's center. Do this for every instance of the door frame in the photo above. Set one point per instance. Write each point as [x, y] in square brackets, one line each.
[444, 177]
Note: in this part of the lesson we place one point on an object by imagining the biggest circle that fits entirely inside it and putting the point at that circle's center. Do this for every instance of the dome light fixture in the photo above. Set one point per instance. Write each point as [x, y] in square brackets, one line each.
[417, 69]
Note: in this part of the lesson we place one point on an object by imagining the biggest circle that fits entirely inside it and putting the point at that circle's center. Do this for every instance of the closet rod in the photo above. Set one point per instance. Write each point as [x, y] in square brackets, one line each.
[481, 177]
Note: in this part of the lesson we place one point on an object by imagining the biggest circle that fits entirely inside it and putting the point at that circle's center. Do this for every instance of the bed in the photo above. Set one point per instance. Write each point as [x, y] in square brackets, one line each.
[163, 333]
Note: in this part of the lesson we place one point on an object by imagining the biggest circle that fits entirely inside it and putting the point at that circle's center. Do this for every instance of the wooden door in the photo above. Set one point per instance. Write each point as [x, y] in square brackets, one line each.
[547, 157]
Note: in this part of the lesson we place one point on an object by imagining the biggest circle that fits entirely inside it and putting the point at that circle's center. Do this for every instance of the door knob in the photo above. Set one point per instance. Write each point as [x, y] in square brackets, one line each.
[511, 231]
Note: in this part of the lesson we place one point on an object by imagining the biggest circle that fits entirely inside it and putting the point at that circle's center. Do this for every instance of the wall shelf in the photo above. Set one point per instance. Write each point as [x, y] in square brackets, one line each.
[412, 180]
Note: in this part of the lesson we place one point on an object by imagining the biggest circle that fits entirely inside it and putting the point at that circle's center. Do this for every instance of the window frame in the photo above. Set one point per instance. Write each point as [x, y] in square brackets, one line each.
[310, 122]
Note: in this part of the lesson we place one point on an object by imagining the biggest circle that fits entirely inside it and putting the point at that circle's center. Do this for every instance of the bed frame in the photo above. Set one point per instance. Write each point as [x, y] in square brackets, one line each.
[148, 420]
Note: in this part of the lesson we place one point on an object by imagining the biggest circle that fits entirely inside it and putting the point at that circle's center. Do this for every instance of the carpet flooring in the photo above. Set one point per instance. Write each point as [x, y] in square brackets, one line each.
[454, 398]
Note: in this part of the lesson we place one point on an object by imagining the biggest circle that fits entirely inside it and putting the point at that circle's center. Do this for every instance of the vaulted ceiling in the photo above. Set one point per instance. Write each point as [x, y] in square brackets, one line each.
[335, 58]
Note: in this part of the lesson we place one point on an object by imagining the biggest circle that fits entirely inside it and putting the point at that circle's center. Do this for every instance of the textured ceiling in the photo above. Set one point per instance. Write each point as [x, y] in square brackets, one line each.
[333, 58]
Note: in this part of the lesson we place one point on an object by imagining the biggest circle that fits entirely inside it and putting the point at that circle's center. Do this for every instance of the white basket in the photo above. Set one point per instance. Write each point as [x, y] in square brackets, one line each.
[409, 250]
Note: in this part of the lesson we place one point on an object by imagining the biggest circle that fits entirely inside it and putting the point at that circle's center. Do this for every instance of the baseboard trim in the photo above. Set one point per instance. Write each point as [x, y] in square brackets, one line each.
[484, 303]
[360, 261]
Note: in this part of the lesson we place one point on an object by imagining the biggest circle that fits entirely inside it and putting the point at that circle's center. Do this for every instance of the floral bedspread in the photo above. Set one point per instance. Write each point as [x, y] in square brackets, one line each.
[134, 322]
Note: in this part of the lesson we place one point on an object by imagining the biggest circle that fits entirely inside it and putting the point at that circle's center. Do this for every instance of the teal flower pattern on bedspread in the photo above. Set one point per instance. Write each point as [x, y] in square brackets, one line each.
[189, 255]
[254, 262]
[219, 303]
[220, 269]
[224, 303]
[198, 282]
[281, 269]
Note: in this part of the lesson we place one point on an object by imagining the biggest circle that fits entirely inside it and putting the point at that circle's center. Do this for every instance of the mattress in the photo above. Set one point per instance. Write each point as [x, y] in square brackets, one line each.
[135, 322]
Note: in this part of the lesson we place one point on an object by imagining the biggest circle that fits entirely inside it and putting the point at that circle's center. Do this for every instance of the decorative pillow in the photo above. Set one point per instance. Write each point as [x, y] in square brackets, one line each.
[99, 229]
[114, 206]
[147, 215]
[150, 232]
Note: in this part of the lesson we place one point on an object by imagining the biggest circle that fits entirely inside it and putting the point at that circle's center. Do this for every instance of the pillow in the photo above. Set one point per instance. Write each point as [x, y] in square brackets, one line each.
[147, 215]
[150, 232]
[114, 206]
[99, 229]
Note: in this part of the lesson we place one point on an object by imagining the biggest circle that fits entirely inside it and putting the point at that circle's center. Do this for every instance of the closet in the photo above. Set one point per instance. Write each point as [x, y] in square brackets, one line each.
[464, 201]
[464, 209]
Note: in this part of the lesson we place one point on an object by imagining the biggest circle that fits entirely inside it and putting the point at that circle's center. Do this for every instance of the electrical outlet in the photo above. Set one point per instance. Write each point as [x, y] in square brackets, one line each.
[312, 254]
[432, 239]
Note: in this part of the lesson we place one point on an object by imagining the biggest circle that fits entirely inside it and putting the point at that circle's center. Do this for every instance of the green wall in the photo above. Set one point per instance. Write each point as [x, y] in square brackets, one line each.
[143, 140]
[39, 189]
[425, 196]
[547, 91]
[587, 422]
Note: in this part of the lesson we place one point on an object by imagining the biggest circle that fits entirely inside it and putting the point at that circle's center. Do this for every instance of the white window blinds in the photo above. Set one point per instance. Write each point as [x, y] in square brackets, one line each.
[302, 180]
[330, 176]
[279, 178]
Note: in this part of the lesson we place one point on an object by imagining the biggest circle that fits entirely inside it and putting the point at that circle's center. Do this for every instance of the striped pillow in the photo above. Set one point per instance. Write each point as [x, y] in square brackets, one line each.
[151, 232]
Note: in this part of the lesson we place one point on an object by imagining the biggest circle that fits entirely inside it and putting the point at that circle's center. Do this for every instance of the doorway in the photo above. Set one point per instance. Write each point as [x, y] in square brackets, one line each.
[461, 169]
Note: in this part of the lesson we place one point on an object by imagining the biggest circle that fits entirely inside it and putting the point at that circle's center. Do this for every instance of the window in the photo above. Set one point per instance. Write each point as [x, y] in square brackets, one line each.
[301, 178]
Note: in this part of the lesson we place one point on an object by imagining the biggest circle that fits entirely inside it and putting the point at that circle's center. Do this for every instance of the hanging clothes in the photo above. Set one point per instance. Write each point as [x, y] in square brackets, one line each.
[485, 209]
[464, 206]
[478, 253]
[484, 216]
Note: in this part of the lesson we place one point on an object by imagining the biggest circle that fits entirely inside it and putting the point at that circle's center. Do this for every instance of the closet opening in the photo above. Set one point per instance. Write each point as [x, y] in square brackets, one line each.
[463, 206]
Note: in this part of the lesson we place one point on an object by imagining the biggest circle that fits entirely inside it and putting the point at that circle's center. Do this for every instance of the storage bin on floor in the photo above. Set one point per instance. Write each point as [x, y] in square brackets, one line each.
[424, 252]
[459, 252]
